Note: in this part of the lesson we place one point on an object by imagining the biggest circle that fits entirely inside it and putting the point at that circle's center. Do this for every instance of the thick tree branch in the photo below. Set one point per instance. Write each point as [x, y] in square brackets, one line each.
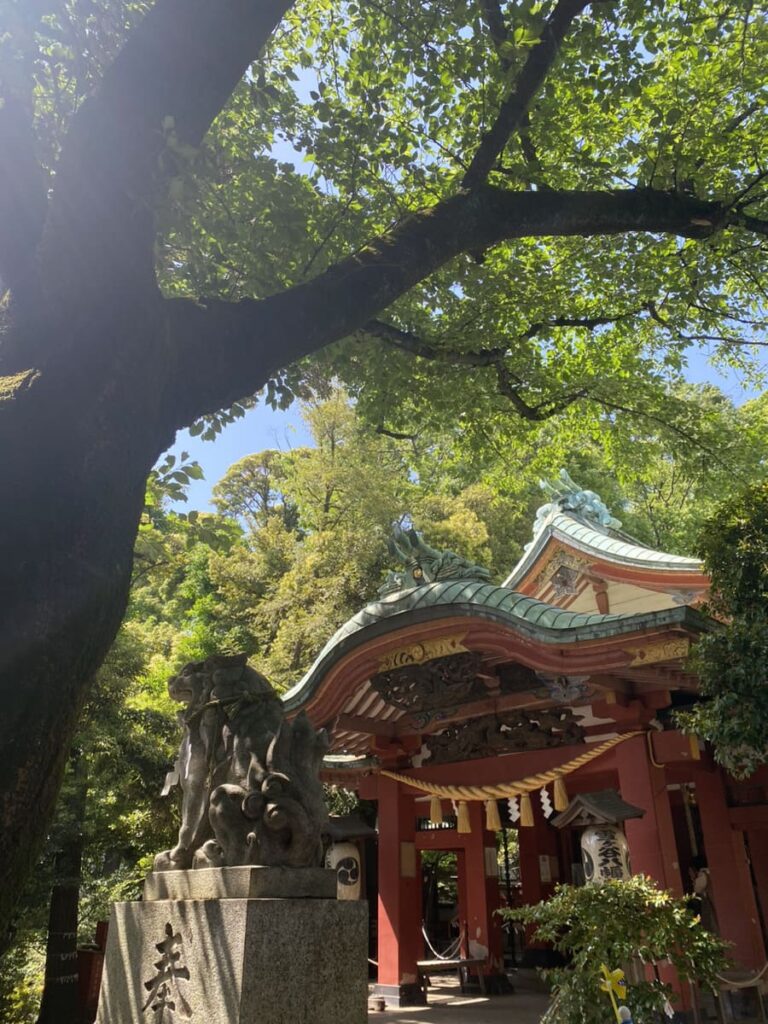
[408, 342]
[161, 94]
[22, 198]
[530, 155]
[396, 435]
[226, 350]
[589, 323]
[753, 224]
[494, 19]
[212, 44]
[534, 71]
[509, 386]
[497, 29]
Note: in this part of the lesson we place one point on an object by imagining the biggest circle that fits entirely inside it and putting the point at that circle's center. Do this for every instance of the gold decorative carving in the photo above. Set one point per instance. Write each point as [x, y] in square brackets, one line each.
[418, 653]
[662, 650]
[560, 559]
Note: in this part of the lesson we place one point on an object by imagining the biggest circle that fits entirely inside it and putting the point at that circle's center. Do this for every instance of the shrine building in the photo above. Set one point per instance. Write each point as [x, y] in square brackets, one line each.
[543, 705]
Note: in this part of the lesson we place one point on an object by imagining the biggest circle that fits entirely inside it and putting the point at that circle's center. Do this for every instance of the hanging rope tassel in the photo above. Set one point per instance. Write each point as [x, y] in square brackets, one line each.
[561, 794]
[436, 811]
[492, 819]
[526, 811]
[462, 824]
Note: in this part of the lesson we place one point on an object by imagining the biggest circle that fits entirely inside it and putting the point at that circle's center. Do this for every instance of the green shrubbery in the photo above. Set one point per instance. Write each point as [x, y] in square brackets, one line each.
[732, 663]
[618, 923]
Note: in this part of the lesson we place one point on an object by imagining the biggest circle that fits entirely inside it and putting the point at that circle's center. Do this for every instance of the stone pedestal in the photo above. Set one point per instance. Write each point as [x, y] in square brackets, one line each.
[245, 882]
[235, 960]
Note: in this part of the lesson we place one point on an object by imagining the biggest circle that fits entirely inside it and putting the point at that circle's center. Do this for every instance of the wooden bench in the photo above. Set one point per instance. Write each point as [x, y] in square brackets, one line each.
[735, 981]
[461, 965]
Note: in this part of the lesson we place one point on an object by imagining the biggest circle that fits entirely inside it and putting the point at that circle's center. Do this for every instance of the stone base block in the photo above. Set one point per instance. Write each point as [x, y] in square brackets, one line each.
[236, 961]
[397, 996]
[247, 882]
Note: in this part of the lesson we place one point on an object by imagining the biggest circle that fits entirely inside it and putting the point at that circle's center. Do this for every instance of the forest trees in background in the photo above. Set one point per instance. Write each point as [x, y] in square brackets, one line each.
[298, 544]
[316, 522]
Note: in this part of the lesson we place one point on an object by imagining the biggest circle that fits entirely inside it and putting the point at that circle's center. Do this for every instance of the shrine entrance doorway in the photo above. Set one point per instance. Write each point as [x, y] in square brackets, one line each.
[441, 913]
[474, 887]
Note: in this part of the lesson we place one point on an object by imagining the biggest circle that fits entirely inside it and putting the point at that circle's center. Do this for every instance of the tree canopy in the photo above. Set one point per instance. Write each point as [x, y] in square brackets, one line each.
[483, 217]
[732, 662]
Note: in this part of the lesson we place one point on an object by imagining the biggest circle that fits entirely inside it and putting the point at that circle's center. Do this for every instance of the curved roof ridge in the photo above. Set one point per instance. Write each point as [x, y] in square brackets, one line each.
[588, 537]
[467, 597]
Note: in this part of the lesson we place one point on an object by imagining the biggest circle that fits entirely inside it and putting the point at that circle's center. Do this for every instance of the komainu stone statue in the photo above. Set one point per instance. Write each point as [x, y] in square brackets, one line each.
[251, 792]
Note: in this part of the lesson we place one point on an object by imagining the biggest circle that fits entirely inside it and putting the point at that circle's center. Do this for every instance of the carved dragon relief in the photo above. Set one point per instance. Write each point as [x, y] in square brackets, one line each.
[425, 564]
[431, 690]
[505, 733]
[439, 683]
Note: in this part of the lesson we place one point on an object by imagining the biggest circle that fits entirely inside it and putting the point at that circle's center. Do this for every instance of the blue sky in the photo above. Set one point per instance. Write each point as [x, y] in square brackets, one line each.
[260, 428]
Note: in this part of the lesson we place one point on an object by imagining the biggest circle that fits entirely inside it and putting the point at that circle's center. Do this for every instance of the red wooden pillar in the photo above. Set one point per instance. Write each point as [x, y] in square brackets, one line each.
[538, 854]
[482, 894]
[539, 860]
[652, 846]
[462, 907]
[734, 898]
[400, 939]
[758, 851]
[530, 878]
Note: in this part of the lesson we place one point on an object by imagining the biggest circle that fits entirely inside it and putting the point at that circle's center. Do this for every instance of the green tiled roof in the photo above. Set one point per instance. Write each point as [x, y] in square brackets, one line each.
[525, 615]
[587, 538]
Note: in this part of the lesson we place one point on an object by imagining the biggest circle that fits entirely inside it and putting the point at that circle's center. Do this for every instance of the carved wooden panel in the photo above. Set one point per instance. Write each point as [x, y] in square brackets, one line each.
[504, 734]
[440, 683]
[514, 678]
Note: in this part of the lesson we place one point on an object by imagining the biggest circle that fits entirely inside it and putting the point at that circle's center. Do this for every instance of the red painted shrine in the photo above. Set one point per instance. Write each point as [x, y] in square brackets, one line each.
[458, 685]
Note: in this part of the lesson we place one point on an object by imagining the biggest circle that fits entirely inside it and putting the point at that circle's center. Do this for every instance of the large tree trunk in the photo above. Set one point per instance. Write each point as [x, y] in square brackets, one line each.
[76, 445]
